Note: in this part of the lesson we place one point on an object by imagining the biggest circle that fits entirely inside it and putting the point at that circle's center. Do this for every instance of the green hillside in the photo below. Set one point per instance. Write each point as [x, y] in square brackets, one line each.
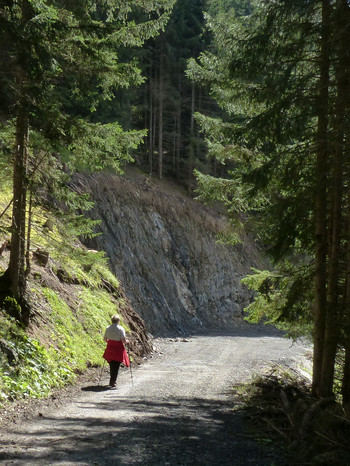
[70, 299]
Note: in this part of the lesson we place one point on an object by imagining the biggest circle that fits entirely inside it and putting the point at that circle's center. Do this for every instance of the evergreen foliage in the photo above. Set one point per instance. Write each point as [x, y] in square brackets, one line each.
[167, 100]
[61, 61]
[282, 75]
[270, 92]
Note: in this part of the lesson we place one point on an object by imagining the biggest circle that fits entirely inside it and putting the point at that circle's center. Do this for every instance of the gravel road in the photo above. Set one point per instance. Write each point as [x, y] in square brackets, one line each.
[177, 411]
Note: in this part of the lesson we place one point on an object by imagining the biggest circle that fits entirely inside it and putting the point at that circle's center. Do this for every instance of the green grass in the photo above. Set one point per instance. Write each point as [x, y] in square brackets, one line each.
[79, 333]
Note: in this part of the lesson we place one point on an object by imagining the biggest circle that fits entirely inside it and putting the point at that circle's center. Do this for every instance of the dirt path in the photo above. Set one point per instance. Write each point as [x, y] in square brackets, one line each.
[177, 412]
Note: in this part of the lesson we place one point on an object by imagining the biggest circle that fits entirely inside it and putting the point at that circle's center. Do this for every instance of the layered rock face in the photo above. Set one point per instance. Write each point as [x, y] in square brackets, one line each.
[163, 248]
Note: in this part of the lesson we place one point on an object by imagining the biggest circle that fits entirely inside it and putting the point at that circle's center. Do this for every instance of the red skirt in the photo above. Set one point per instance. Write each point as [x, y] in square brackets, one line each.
[116, 351]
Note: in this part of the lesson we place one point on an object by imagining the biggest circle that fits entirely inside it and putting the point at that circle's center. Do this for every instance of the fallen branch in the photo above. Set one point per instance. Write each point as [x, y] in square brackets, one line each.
[275, 428]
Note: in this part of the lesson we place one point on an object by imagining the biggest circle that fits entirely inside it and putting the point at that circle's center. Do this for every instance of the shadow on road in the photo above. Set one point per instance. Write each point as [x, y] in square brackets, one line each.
[96, 388]
[148, 432]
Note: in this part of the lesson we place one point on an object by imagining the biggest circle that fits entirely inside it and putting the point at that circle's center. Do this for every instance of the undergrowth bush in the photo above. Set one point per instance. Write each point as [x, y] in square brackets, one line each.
[27, 368]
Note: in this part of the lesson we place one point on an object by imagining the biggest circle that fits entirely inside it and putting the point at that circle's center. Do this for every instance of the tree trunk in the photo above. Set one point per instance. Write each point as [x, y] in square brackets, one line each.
[334, 276]
[161, 105]
[333, 319]
[29, 234]
[191, 147]
[151, 117]
[16, 270]
[174, 144]
[346, 324]
[198, 136]
[319, 316]
[346, 319]
[178, 132]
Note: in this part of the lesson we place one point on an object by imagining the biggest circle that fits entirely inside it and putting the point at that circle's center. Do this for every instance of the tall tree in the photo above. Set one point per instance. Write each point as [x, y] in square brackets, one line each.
[63, 61]
[322, 151]
[169, 91]
[282, 76]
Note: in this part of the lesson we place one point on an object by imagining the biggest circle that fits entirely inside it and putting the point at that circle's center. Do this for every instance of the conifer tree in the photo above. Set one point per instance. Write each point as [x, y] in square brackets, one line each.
[282, 76]
[62, 60]
[168, 94]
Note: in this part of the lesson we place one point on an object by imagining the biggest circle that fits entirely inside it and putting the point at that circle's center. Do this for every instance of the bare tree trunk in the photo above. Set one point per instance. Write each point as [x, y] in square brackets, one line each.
[29, 231]
[191, 147]
[16, 269]
[151, 117]
[346, 318]
[346, 378]
[178, 132]
[154, 99]
[319, 316]
[160, 109]
[335, 309]
[335, 314]
[333, 299]
[199, 106]
[334, 274]
[174, 144]
[346, 323]
[146, 118]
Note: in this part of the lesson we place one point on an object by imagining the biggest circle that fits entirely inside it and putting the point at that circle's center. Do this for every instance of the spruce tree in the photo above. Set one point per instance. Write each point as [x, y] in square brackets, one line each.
[282, 76]
[61, 61]
[167, 95]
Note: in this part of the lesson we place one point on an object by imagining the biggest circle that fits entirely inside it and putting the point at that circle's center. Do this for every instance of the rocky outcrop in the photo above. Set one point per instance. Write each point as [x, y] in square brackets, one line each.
[163, 247]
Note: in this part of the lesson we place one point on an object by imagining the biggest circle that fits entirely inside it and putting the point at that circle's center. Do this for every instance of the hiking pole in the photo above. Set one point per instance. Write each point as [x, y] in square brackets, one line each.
[103, 365]
[132, 378]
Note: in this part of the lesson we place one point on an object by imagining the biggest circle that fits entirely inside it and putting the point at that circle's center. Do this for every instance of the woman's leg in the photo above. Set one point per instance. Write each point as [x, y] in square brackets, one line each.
[114, 368]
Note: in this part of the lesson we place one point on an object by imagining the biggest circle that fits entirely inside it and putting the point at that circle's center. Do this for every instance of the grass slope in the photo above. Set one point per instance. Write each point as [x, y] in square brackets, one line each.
[71, 301]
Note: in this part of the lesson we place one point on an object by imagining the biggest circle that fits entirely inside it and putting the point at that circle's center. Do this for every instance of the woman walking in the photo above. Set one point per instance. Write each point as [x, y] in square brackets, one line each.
[115, 352]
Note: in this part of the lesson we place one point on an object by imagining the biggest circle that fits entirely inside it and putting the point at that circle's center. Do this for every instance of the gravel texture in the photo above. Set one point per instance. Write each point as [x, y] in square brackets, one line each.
[176, 409]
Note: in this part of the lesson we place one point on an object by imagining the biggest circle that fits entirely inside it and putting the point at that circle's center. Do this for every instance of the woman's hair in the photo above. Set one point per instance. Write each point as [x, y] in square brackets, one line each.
[115, 319]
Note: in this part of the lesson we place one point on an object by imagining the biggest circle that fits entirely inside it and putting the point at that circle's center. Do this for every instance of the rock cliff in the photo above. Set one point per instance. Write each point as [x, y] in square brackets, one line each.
[163, 248]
